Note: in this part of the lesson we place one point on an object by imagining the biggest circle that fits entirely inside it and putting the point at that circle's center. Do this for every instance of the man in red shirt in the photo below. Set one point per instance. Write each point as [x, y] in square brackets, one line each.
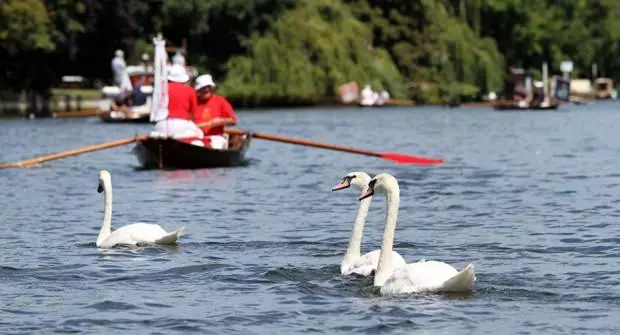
[181, 97]
[181, 108]
[213, 112]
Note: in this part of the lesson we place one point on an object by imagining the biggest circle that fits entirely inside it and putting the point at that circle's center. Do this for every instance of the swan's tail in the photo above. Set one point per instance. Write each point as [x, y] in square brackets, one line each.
[170, 238]
[462, 281]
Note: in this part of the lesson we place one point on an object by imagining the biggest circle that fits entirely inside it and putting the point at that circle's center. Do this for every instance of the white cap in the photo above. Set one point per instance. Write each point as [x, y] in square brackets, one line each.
[203, 81]
[177, 73]
[119, 53]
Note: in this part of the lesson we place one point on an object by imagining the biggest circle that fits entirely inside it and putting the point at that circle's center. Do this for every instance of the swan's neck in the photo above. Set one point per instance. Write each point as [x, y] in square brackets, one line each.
[355, 242]
[106, 225]
[384, 269]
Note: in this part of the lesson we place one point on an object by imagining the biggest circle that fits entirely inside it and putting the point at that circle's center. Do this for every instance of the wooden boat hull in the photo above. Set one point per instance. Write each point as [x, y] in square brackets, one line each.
[159, 153]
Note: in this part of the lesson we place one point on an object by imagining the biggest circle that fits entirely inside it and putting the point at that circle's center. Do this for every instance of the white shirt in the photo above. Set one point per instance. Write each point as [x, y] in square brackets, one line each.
[118, 69]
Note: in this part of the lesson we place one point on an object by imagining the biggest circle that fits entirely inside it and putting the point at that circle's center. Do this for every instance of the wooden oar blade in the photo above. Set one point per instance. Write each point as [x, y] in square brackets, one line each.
[409, 159]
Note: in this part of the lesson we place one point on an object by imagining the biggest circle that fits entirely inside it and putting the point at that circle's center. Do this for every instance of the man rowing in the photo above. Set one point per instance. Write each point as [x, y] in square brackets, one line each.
[213, 113]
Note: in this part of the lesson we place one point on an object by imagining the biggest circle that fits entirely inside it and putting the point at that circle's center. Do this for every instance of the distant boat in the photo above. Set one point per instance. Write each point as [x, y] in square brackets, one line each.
[515, 105]
[110, 113]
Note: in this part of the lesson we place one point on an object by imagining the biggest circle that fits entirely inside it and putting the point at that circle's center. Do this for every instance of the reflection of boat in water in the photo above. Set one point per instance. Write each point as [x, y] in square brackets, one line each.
[167, 153]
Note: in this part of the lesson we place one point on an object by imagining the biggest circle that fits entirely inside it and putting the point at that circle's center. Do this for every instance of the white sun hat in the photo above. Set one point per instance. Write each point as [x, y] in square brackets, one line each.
[177, 73]
[203, 81]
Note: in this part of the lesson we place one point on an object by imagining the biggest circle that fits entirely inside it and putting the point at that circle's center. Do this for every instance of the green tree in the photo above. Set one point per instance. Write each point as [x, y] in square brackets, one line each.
[441, 57]
[24, 26]
[308, 52]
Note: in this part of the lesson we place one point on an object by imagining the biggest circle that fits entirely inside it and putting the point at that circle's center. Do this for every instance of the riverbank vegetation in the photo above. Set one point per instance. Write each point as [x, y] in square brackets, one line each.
[299, 51]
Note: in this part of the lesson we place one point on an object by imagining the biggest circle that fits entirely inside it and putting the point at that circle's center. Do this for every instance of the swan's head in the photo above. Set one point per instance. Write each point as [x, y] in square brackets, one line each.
[104, 179]
[381, 183]
[358, 180]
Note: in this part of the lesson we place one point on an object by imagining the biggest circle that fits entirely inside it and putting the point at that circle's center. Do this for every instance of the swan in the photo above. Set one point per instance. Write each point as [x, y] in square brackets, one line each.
[419, 277]
[353, 262]
[133, 234]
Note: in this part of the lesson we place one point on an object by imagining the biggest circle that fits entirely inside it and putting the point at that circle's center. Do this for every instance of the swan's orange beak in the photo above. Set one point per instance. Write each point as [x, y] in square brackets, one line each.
[345, 183]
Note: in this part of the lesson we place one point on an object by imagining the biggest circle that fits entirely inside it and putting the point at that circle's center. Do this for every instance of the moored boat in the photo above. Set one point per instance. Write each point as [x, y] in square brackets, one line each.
[135, 115]
[112, 110]
[515, 105]
[167, 153]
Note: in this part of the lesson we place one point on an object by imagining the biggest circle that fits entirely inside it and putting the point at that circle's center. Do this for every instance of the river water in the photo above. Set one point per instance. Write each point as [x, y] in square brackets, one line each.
[531, 198]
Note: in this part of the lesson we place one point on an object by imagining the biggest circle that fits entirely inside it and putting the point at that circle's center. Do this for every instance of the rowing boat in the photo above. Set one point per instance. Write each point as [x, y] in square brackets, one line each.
[167, 153]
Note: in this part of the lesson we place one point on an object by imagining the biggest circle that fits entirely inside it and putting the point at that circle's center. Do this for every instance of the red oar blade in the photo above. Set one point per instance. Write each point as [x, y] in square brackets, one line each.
[408, 159]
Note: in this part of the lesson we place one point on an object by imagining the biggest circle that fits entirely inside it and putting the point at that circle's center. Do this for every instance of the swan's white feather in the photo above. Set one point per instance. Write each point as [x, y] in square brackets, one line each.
[130, 235]
[429, 277]
[137, 233]
[367, 263]
[419, 277]
[353, 263]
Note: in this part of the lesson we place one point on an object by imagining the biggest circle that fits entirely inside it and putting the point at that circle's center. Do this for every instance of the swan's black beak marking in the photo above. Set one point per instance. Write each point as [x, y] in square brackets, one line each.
[99, 188]
[370, 191]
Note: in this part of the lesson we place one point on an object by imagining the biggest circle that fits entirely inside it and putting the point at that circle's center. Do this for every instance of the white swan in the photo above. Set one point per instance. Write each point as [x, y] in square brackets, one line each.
[130, 235]
[420, 277]
[353, 262]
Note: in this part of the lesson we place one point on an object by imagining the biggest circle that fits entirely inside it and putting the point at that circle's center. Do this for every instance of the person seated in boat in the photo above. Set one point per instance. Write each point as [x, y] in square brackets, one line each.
[213, 113]
[137, 97]
[181, 108]
[122, 102]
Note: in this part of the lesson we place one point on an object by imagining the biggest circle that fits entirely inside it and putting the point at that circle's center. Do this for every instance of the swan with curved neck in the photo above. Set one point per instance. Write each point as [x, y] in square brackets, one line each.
[419, 277]
[354, 262]
[130, 235]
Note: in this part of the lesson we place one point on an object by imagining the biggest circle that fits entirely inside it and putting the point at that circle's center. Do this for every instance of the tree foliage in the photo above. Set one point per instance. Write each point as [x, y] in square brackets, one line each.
[294, 51]
[24, 26]
[308, 52]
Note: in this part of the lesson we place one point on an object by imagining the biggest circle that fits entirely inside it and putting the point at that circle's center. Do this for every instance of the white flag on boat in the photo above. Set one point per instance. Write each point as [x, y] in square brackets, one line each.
[159, 102]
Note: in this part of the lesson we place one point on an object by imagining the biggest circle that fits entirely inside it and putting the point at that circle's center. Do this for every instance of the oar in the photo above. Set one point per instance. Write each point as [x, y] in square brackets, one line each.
[394, 157]
[74, 152]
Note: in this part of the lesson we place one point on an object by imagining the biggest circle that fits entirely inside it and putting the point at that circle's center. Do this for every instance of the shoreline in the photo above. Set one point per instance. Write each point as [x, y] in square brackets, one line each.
[91, 107]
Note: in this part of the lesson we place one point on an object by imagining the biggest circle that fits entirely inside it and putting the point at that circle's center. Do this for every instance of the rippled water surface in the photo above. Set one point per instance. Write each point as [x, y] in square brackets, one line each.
[531, 198]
